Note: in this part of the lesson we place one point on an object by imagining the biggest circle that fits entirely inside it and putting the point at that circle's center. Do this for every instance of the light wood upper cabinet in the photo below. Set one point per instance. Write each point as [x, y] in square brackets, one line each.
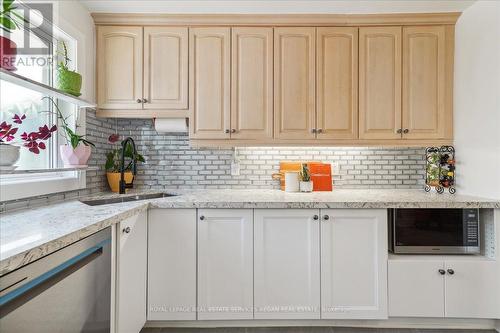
[424, 112]
[166, 67]
[119, 67]
[294, 83]
[210, 79]
[252, 83]
[379, 82]
[337, 83]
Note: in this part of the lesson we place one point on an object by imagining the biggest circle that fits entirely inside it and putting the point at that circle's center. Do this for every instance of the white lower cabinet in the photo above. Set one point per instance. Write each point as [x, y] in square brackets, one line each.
[353, 263]
[131, 271]
[286, 264]
[172, 264]
[452, 289]
[225, 264]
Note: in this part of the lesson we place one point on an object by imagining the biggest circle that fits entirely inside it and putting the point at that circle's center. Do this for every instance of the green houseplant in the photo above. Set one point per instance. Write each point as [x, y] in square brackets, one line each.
[305, 185]
[67, 80]
[113, 163]
[9, 21]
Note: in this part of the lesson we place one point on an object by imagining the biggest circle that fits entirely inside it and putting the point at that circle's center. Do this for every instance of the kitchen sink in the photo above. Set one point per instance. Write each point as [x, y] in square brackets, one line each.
[98, 202]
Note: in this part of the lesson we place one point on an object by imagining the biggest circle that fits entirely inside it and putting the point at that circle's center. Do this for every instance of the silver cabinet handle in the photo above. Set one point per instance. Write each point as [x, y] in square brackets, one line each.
[442, 271]
[399, 131]
[126, 230]
[451, 271]
[315, 217]
[139, 100]
[319, 131]
[202, 217]
[313, 130]
[326, 217]
[144, 100]
[233, 130]
[406, 131]
[227, 131]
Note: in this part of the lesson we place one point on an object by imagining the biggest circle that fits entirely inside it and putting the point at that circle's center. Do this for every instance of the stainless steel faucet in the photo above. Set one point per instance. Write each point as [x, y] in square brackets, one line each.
[123, 184]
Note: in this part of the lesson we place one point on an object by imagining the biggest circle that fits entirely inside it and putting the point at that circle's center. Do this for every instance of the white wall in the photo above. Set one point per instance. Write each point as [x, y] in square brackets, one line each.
[477, 100]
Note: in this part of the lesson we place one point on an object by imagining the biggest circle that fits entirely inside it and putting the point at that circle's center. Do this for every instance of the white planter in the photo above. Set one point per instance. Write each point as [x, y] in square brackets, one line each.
[9, 154]
[77, 157]
[306, 186]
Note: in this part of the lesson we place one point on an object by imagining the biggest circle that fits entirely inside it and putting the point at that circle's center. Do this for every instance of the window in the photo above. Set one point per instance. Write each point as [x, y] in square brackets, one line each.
[15, 99]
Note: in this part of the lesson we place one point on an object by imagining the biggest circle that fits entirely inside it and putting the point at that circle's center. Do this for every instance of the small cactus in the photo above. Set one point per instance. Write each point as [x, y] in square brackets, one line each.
[305, 174]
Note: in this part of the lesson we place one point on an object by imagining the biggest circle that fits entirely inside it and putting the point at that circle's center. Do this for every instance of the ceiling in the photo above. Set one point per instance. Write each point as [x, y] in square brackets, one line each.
[277, 6]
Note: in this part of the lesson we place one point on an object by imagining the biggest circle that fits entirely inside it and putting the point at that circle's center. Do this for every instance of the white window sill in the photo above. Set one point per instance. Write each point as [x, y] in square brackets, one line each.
[20, 186]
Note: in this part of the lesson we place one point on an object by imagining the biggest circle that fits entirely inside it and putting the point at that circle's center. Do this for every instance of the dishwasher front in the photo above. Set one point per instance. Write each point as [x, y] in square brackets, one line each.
[66, 291]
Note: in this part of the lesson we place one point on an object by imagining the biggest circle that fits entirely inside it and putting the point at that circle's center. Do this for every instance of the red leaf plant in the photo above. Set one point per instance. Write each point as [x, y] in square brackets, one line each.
[34, 141]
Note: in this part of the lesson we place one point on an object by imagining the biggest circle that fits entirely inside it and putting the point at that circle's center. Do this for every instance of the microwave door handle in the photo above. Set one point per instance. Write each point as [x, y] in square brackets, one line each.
[16, 298]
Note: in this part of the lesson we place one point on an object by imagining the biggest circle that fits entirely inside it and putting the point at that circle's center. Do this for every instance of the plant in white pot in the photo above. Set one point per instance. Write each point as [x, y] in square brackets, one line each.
[305, 185]
[76, 152]
[10, 148]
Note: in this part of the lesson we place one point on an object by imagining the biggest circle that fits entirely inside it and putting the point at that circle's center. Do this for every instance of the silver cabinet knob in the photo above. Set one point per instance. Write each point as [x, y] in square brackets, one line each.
[320, 130]
[315, 217]
[450, 271]
[227, 131]
[405, 131]
[313, 130]
[202, 217]
[326, 217]
[139, 100]
[233, 130]
[442, 271]
[399, 131]
[126, 230]
[144, 100]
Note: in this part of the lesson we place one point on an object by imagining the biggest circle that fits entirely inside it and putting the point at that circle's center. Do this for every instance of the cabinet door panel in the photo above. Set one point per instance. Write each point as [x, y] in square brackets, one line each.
[172, 264]
[424, 82]
[294, 83]
[416, 288]
[379, 82]
[131, 274]
[473, 291]
[165, 67]
[119, 67]
[337, 78]
[354, 286]
[225, 264]
[210, 78]
[252, 83]
[286, 265]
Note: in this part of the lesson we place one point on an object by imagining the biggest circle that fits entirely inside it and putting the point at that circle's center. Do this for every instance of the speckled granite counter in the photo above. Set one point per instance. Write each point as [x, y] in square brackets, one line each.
[31, 234]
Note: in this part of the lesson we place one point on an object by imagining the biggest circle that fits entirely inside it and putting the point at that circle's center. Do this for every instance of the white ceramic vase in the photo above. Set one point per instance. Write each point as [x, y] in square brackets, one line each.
[9, 154]
[77, 157]
[306, 186]
[291, 181]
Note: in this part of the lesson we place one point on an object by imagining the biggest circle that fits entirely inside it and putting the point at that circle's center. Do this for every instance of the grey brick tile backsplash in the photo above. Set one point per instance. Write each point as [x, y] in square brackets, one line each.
[172, 163]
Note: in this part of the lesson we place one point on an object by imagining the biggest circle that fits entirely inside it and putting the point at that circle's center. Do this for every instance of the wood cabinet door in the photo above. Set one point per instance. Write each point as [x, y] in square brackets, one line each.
[416, 288]
[252, 83]
[473, 291]
[424, 112]
[225, 264]
[354, 286]
[171, 264]
[379, 82]
[210, 79]
[337, 83]
[119, 67]
[166, 68]
[286, 264]
[294, 83]
[131, 272]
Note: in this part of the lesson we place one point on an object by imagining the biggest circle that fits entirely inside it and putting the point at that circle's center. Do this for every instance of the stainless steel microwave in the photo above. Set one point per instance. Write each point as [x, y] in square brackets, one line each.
[434, 231]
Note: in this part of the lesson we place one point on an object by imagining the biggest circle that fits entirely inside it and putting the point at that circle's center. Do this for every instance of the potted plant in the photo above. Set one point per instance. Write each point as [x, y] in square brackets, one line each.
[67, 80]
[113, 164]
[305, 185]
[9, 21]
[33, 141]
[76, 152]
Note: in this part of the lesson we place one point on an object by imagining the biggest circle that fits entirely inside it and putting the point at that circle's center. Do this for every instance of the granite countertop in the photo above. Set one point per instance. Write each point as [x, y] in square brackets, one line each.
[28, 235]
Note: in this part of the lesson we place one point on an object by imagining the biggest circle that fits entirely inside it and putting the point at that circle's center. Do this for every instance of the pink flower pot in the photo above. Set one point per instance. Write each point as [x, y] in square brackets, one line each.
[75, 157]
